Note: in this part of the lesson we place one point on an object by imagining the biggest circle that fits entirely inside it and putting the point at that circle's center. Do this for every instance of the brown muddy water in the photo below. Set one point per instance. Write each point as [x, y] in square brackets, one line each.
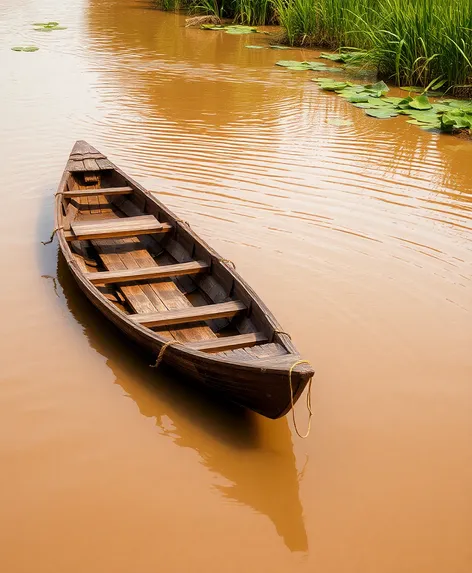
[357, 237]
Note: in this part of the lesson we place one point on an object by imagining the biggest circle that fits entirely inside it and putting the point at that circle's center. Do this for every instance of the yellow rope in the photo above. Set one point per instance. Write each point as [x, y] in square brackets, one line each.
[227, 261]
[182, 221]
[160, 356]
[52, 236]
[308, 400]
[282, 332]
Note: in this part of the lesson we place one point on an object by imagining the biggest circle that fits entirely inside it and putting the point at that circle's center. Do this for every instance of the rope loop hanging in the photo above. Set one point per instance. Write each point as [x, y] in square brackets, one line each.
[52, 236]
[160, 356]
[308, 400]
[228, 262]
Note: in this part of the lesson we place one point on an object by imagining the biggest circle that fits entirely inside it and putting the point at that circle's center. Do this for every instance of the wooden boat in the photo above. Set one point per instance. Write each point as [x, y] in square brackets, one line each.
[165, 288]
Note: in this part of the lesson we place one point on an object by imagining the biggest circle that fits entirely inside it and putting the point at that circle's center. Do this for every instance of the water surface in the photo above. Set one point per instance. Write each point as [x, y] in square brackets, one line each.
[357, 237]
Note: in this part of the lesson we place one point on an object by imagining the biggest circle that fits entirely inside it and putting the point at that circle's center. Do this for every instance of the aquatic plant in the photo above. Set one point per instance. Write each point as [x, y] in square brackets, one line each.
[48, 26]
[408, 41]
[25, 48]
[446, 115]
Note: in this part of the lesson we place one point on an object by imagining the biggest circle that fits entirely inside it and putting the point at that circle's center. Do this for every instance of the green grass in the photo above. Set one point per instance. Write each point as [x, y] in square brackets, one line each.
[409, 41]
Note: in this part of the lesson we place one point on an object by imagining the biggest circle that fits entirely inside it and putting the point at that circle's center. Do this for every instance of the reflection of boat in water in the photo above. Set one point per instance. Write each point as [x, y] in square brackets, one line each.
[253, 455]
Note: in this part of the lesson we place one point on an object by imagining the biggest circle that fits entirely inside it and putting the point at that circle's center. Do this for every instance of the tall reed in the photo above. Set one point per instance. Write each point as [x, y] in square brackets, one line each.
[409, 41]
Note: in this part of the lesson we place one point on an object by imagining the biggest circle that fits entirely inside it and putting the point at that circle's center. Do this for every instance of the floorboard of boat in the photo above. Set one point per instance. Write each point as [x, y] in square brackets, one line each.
[155, 296]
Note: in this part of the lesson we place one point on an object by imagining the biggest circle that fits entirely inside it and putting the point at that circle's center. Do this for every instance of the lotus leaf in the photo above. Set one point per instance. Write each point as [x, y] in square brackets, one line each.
[293, 64]
[378, 89]
[447, 123]
[440, 107]
[393, 100]
[332, 86]
[48, 27]
[383, 113]
[25, 49]
[420, 102]
[240, 30]
[358, 98]
[344, 57]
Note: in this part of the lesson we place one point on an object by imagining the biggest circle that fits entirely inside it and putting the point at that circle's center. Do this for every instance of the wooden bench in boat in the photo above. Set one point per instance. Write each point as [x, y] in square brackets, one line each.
[229, 342]
[147, 273]
[95, 192]
[191, 314]
[116, 227]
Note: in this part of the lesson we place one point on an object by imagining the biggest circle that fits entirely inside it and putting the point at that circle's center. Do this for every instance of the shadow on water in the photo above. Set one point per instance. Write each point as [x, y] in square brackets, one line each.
[254, 454]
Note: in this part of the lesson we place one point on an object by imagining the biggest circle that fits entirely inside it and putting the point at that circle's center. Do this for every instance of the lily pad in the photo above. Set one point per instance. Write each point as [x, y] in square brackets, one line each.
[393, 100]
[420, 102]
[378, 89]
[331, 85]
[256, 47]
[48, 26]
[381, 113]
[302, 66]
[25, 48]
[240, 30]
[212, 27]
[277, 47]
[344, 57]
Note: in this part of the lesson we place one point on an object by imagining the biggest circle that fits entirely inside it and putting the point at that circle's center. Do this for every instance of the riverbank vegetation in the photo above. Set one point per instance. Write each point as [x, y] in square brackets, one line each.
[410, 42]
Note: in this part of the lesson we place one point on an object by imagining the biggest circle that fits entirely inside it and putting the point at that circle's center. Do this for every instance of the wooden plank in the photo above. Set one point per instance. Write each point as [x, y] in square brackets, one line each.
[82, 156]
[96, 192]
[191, 314]
[75, 165]
[108, 228]
[105, 164]
[159, 296]
[229, 342]
[156, 272]
[91, 165]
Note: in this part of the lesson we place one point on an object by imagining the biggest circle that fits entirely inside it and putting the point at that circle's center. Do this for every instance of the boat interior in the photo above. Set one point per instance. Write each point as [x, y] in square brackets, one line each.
[152, 268]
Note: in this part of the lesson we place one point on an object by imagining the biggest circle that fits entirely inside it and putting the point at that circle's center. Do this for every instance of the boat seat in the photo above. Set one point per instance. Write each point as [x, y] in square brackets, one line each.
[108, 228]
[229, 342]
[95, 192]
[190, 314]
[165, 271]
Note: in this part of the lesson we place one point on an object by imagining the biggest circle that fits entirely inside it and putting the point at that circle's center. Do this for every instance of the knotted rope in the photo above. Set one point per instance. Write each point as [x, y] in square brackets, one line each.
[52, 236]
[308, 400]
[282, 332]
[227, 261]
[160, 356]
[182, 221]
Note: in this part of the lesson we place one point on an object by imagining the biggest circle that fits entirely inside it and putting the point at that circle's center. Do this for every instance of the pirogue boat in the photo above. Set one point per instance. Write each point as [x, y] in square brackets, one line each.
[159, 283]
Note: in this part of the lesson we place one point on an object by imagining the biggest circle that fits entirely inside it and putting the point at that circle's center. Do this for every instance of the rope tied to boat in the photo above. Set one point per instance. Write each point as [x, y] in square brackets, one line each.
[52, 236]
[182, 221]
[282, 332]
[160, 356]
[228, 262]
[308, 400]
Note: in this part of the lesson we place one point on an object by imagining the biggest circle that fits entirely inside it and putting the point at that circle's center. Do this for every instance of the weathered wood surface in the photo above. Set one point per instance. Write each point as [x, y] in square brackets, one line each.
[191, 314]
[229, 342]
[95, 192]
[156, 272]
[125, 227]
